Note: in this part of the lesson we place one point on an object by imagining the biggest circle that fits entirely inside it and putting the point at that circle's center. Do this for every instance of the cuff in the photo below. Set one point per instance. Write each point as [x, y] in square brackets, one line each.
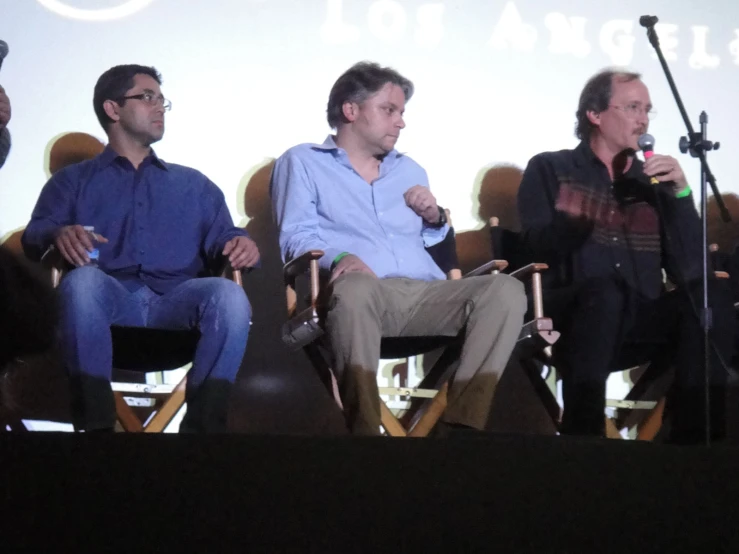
[434, 235]
[329, 255]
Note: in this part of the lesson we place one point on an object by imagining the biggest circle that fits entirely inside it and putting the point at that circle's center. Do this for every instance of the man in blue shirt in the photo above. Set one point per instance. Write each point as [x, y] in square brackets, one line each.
[157, 227]
[370, 209]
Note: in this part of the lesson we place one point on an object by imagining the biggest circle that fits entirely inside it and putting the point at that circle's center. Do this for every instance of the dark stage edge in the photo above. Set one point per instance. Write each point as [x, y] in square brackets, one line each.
[235, 493]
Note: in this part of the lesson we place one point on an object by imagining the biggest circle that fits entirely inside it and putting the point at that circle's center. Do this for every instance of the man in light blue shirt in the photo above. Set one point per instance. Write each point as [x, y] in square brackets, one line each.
[370, 209]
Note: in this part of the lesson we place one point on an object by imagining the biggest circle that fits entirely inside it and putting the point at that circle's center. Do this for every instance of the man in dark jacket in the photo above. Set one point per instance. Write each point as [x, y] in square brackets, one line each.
[609, 225]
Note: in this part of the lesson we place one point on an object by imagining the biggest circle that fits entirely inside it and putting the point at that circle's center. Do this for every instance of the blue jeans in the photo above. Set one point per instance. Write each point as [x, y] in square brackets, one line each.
[92, 301]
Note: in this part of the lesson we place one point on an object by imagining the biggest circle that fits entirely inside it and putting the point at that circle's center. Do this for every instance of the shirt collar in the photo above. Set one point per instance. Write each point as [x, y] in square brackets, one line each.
[329, 145]
[584, 157]
[108, 156]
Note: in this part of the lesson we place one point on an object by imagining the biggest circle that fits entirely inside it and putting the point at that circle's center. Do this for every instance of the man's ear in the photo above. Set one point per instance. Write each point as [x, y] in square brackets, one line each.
[111, 109]
[593, 117]
[349, 110]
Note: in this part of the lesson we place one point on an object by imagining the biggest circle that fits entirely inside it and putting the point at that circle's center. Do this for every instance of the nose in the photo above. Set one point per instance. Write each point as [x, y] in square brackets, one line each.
[400, 123]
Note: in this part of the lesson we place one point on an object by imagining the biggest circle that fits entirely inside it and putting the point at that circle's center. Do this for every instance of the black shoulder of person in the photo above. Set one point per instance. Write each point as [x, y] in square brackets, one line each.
[28, 308]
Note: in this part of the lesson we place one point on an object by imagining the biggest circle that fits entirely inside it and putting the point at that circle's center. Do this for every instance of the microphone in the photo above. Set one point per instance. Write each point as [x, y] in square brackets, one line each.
[646, 143]
[648, 20]
[3, 51]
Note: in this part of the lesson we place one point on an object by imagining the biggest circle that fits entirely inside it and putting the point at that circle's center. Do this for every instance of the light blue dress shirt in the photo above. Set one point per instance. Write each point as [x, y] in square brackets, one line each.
[321, 203]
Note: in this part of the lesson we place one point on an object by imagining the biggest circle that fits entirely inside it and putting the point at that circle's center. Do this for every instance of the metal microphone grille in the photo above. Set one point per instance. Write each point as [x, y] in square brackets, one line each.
[646, 142]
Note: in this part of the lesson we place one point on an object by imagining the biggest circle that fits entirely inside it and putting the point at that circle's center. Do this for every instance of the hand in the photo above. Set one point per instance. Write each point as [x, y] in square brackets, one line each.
[242, 252]
[579, 206]
[4, 108]
[664, 169]
[421, 201]
[73, 242]
[350, 264]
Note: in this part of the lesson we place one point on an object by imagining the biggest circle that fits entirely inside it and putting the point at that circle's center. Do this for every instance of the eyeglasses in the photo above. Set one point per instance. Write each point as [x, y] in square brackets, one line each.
[151, 99]
[635, 109]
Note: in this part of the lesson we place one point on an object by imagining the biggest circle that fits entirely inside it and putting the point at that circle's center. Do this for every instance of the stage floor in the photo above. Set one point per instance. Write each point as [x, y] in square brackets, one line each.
[66, 492]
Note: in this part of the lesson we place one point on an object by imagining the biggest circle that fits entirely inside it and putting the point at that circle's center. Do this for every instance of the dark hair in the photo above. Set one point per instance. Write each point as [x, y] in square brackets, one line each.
[596, 96]
[115, 83]
[357, 84]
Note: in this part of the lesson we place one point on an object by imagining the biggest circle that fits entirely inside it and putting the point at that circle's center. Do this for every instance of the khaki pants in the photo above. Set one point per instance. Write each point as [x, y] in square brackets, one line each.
[363, 309]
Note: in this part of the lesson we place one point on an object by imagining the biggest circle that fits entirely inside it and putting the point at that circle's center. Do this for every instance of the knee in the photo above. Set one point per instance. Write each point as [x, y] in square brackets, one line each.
[508, 290]
[228, 302]
[354, 293]
[81, 285]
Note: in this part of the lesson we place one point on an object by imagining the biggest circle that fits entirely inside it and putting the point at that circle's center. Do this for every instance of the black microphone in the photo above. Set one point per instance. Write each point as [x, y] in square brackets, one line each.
[3, 51]
[648, 20]
[646, 143]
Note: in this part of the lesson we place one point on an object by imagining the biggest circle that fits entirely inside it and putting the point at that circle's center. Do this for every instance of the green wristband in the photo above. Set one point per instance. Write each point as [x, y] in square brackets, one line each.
[683, 193]
[337, 259]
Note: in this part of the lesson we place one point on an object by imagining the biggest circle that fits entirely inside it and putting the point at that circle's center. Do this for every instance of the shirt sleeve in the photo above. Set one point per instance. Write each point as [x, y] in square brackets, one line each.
[548, 233]
[682, 254]
[294, 205]
[431, 235]
[54, 209]
[221, 228]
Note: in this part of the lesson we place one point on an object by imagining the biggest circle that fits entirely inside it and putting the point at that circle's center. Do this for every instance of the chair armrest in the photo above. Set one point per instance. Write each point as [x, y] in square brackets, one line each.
[55, 263]
[300, 265]
[237, 276]
[492, 265]
[527, 270]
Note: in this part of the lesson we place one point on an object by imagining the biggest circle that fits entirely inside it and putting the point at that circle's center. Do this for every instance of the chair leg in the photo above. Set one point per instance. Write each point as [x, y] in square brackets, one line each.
[125, 414]
[651, 425]
[390, 422]
[611, 429]
[170, 408]
[432, 414]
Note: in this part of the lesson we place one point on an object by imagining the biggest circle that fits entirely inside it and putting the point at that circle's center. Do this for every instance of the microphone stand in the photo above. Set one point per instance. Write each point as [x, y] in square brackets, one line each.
[698, 145]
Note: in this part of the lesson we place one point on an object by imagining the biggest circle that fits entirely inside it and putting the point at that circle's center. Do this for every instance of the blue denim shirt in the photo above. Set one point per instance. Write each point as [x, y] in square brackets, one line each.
[321, 203]
[165, 223]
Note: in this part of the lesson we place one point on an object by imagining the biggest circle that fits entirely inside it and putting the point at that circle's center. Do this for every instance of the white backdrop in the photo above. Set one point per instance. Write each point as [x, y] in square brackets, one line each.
[497, 81]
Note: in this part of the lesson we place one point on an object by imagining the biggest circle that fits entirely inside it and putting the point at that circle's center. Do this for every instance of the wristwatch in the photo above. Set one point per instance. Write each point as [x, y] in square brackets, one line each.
[442, 218]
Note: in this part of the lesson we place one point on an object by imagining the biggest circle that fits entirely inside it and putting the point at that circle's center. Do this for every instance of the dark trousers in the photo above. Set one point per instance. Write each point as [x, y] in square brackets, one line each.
[606, 326]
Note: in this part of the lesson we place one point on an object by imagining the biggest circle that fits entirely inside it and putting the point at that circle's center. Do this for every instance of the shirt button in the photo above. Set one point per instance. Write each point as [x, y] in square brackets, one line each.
[615, 239]
[618, 265]
[141, 251]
